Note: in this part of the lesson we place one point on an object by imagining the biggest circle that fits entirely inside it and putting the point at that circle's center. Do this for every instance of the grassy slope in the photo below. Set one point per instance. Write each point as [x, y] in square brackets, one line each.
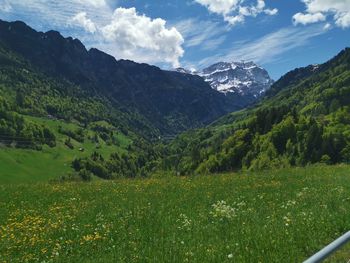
[279, 216]
[24, 166]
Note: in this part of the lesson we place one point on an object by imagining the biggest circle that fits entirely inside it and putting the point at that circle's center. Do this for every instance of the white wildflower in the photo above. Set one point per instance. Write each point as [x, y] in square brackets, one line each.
[223, 211]
[184, 222]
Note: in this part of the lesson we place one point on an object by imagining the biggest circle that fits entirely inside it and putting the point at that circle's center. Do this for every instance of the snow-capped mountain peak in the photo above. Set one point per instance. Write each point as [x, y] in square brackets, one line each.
[244, 78]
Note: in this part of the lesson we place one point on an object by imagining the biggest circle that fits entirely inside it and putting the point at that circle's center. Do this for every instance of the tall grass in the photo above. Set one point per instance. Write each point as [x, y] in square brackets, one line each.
[276, 216]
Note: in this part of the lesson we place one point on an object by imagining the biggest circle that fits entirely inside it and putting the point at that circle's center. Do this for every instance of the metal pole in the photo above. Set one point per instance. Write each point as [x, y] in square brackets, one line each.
[330, 249]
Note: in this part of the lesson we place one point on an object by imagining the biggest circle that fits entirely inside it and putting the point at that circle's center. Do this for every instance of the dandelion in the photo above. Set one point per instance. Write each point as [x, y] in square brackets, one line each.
[230, 256]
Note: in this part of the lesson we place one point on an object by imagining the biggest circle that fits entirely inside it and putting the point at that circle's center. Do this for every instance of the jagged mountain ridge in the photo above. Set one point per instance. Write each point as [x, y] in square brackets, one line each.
[243, 78]
[171, 101]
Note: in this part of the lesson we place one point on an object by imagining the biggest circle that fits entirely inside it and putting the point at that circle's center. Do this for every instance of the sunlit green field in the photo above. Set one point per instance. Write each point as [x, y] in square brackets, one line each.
[27, 166]
[280, 216]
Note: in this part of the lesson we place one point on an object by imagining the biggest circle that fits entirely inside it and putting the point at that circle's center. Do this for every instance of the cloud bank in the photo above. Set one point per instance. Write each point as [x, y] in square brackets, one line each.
[206, 35]
[134, 35]
[319, 10]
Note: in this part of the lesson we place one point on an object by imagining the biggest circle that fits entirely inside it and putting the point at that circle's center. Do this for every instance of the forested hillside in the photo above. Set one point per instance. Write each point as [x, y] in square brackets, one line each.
[169, 102]
[52, 121]
[304, 119]
[84, 112]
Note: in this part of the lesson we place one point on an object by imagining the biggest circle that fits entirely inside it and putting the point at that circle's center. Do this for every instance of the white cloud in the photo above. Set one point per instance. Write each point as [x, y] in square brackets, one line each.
[56, 14]
[327, 26]
[343, 20]
[235, 11]
[122, 32]
[95, 3]
[268, 48]
[86, 23]
[223, 7]
[271, 12]
[5, 6]
[206, 34]
[305, 19]
[138, 37]
[213, 43]
[318, 10]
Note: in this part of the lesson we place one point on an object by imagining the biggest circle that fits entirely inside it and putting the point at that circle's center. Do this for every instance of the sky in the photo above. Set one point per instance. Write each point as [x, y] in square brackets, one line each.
[279, 35]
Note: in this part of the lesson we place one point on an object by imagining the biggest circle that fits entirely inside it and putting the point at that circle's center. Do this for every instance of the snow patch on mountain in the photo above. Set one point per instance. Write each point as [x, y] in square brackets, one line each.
[244, 78]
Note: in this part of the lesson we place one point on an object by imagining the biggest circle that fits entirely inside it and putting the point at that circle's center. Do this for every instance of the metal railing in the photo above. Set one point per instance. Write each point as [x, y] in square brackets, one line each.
[330, 249]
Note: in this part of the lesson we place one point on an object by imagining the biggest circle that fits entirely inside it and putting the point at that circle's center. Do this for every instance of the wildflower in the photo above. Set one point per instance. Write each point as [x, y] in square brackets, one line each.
[230, 256]
[184, 222]
[223, 211]
[287, 220]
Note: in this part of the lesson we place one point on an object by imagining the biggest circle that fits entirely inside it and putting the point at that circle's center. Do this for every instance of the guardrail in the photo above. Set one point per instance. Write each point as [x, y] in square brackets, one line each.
[330, 249]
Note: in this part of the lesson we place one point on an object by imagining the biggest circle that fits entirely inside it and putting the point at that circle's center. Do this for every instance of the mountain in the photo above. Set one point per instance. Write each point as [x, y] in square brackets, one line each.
[186, 71]
[292, 78]
[50, 122]
[87, 114]
[304, 119]
[170, 102]
[84, 112]
[243, 78]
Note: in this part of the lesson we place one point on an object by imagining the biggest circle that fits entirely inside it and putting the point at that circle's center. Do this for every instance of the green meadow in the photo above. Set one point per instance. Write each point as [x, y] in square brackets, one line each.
[28, 166]
[274, 216]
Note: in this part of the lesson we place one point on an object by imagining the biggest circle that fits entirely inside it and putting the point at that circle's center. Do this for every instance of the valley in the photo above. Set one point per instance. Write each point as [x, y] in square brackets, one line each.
[106, 160]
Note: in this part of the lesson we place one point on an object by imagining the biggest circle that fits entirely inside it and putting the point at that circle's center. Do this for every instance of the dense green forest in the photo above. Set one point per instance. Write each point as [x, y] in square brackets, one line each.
[30, 92]
[304, 119]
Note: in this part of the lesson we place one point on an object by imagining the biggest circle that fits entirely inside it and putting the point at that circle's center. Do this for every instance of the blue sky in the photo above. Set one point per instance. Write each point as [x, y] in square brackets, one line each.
[280, 35]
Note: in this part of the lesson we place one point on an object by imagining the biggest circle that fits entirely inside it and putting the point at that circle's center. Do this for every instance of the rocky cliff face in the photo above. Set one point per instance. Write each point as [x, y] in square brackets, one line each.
[244, 78]
[241, 78]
